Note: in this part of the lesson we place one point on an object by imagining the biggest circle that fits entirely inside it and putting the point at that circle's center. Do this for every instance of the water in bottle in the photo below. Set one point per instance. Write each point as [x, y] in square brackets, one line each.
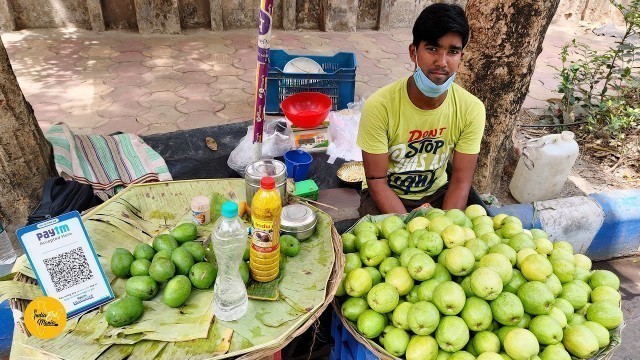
[7, 254]
[229, 239]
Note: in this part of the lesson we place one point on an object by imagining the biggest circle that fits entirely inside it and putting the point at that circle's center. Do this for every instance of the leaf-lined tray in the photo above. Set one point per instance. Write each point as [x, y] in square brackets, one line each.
[137, 215]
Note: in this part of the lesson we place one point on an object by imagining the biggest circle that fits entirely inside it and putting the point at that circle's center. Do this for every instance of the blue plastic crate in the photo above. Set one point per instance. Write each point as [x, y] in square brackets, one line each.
[346, 346]
[338, 82]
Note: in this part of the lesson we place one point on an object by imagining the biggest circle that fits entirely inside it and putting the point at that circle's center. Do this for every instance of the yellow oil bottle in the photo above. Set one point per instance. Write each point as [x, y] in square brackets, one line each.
[264, 254]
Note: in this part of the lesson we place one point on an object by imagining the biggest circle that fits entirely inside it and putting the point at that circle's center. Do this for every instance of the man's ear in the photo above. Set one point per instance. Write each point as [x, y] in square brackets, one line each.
[412, 53]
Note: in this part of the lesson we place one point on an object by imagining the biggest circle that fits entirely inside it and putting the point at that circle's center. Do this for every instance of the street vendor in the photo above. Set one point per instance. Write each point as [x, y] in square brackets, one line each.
[409, 129]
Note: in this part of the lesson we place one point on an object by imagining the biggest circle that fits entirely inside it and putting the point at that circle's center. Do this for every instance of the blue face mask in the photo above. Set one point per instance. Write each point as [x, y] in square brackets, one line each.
[428, 87]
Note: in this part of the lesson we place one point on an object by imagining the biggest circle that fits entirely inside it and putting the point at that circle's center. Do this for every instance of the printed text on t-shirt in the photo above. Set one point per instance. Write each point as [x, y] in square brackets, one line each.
[419, 134]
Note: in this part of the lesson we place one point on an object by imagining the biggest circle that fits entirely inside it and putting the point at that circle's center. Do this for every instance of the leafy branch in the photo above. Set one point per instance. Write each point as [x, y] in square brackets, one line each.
[601, 87]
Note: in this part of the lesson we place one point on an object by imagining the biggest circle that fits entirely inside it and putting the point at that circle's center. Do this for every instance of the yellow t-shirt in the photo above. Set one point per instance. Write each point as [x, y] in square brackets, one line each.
[419, 142]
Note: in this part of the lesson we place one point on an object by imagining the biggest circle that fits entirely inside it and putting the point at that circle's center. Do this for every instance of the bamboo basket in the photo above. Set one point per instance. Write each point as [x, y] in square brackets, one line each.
[604, 354]
[377, 350]
[259, 351]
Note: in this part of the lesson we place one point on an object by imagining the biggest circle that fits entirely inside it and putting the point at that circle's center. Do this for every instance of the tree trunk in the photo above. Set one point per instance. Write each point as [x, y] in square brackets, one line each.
[506, 39]
[26, 159]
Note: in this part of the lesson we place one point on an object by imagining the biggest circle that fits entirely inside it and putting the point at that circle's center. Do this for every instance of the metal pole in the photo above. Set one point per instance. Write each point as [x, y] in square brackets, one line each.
[264, 45]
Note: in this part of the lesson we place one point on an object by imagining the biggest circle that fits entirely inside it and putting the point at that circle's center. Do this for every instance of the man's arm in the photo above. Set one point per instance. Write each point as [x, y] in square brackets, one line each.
[375, 169]
[464, 165]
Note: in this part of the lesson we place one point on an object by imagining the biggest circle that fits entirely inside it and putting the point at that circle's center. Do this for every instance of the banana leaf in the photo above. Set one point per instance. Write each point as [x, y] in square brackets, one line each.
[117, 352]
[22, 266]
[76, 341]
[238, 343]
[264, 290]
[140, 213]
[18, 290]
[161, 322]
[20, 351]
[216, 343]
[144, 350]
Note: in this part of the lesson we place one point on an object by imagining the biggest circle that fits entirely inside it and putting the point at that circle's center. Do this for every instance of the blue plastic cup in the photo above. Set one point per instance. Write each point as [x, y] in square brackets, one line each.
[298, 163]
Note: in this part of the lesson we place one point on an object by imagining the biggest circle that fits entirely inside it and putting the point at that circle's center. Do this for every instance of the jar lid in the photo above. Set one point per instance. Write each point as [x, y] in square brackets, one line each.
[200, 203]
[297, 217]
[267, 167]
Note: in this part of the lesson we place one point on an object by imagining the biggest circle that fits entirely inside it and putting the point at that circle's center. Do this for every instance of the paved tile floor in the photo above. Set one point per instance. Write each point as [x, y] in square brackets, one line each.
[123, 81]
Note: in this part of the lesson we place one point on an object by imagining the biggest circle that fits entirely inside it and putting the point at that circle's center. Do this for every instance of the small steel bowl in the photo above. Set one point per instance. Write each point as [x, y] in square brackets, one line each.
[298, 221]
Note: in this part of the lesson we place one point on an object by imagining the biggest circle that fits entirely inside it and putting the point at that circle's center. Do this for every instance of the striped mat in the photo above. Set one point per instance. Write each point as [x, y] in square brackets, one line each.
[108, 163]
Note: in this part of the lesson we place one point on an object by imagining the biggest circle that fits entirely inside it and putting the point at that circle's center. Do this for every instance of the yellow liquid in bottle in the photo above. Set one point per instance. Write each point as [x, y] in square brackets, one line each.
[264, 254]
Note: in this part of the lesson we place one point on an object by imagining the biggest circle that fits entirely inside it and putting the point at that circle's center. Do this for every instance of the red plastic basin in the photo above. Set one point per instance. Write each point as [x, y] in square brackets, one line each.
[306, 109]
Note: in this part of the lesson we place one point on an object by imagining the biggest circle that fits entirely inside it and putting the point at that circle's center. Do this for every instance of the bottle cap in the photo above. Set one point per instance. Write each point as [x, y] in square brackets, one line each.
[267, 183]
[229, 209]
[567, 136]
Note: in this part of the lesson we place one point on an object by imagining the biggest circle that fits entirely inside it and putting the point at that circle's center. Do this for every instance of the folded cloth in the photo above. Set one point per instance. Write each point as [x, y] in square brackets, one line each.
[108, 163]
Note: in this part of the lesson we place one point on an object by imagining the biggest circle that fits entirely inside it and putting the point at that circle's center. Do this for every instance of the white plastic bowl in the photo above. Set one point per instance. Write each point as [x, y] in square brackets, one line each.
[303, 65]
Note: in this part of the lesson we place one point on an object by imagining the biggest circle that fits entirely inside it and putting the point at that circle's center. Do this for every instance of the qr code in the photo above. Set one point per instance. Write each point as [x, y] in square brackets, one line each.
[68, 269]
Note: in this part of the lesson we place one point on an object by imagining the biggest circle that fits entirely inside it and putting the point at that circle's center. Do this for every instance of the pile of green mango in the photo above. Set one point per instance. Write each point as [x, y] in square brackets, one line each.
[173, 259]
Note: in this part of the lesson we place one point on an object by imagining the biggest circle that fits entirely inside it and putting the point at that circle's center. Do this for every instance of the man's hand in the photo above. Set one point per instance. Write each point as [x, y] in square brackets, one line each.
[375, 169]
[464, 165]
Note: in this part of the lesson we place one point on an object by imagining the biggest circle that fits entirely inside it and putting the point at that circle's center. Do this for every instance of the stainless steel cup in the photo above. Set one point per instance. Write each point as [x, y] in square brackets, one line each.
[259, 169]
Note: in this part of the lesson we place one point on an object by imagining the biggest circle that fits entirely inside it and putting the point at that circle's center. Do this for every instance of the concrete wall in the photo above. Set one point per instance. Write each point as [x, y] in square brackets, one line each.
[243, 14]
[29, 14]
[368, 12]
[592, 11]
[119, 14]
[194, 14]
[308, 14]
[158, 16]
[170, 16]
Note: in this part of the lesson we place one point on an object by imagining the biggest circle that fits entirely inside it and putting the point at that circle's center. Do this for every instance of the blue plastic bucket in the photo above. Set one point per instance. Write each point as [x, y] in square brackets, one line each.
[298, 163]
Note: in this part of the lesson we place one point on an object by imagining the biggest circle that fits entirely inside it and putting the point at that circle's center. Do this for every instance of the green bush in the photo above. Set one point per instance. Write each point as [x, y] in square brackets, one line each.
[602, 88]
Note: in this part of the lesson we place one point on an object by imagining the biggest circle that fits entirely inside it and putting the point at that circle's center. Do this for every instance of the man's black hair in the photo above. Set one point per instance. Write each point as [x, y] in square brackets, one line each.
[437, 20]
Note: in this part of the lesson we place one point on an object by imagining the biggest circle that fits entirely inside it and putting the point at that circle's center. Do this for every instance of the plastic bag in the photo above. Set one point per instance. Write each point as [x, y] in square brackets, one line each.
[277, 139]
[343, 130]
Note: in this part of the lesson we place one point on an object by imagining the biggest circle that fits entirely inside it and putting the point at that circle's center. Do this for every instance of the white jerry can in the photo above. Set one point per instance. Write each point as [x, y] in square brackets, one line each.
[543, 167]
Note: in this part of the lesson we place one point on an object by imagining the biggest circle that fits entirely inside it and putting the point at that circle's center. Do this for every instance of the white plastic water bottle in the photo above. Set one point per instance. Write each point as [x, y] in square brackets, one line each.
[7, 253]
[229, 239]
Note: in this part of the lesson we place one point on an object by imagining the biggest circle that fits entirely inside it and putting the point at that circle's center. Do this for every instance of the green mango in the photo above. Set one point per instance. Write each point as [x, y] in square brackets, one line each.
[121, 261]
[244, 272]
[162, 269]
[143, 251]
[202, 275]
[164, 242]
[177, 291]
[185, 232]
[124, 311]
[163, 254]
[142, 287]
[140, 267]
[183, 260]
[196, 250]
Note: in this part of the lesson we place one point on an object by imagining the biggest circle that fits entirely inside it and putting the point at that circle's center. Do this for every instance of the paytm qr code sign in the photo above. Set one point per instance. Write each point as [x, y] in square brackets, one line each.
[65, 263]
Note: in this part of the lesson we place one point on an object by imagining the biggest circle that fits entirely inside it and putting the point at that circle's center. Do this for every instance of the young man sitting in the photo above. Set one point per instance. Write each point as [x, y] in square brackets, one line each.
[410, 128]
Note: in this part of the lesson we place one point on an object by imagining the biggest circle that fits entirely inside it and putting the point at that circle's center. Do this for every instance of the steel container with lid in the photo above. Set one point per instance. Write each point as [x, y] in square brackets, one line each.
[298, 220]
[254, 172]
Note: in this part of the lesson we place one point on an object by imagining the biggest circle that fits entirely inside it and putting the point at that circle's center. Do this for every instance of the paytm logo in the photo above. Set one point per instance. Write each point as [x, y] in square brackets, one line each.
[58, 230]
